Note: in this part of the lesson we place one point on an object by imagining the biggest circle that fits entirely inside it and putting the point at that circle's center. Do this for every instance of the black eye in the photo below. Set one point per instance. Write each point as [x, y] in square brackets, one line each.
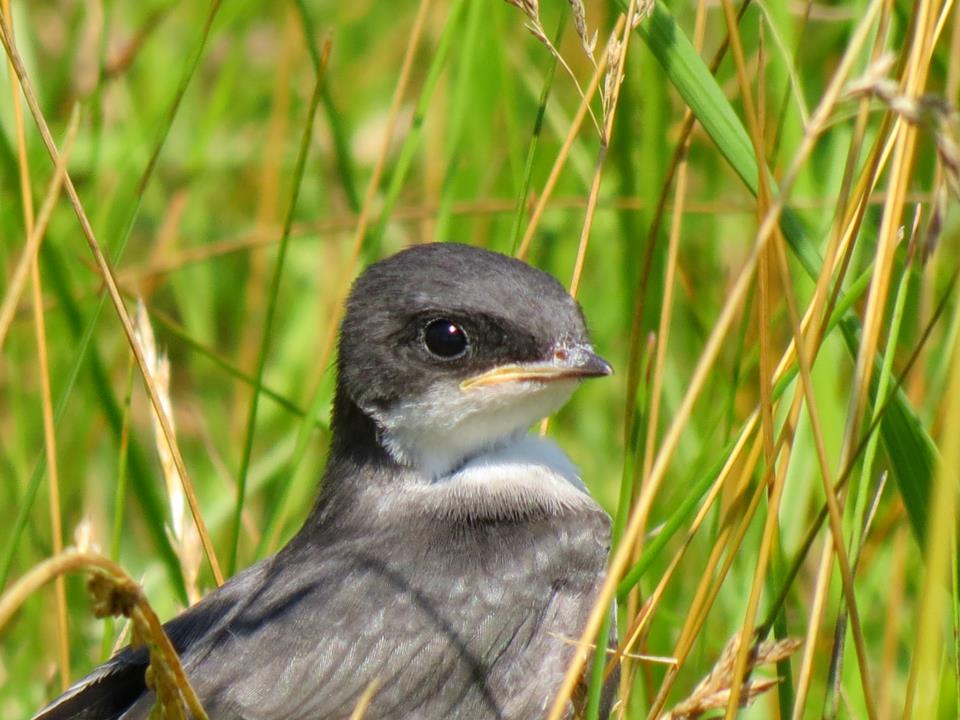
[444, 338]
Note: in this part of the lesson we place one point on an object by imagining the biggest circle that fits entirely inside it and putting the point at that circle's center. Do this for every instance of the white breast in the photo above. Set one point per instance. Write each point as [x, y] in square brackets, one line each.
[526, 474]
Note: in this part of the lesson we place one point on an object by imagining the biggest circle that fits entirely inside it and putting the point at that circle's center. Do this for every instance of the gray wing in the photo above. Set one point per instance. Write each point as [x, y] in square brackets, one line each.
[111, 689]
[446, 627]
[463, 624]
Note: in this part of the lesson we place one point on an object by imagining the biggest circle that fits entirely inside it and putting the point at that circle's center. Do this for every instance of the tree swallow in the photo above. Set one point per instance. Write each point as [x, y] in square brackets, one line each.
[451, 559]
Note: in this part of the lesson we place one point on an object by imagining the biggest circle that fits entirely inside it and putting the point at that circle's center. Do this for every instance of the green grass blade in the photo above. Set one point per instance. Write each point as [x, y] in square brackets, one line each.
[341, 145]
[909, 446]
[517, 227]
[411, 142]
[179, 332]
[272, 299]
[141, 475]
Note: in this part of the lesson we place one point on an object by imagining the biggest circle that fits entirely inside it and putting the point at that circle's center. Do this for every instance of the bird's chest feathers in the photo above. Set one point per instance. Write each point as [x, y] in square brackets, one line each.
[525, 478]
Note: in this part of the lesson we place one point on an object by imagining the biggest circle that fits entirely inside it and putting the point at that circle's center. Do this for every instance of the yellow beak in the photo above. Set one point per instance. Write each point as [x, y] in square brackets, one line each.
[567, 364]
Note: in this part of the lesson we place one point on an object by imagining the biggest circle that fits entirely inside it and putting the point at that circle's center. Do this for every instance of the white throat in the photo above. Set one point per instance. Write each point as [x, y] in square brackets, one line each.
[439, 431]
[470, 454]
[529, 474]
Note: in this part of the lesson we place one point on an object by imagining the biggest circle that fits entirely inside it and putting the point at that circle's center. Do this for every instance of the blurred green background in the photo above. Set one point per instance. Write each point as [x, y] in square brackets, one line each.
[196, 234]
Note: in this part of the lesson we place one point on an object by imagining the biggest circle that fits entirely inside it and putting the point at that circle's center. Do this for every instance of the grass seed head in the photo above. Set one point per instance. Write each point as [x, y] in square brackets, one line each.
[714, 690]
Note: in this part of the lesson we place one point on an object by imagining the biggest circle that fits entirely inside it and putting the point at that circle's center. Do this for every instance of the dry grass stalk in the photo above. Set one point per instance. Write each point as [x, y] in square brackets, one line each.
[184, 536]
[561, 158]
[916, 68]
[363, 704]
[771, 526]
[639, 617]
[715, 690]
[722, 555]
[724, 548]
[531, 10]
[616, 62]
[905, 140]
[18, 280]
[116, 593]
[40, 331]
[615, 653]
[709, 354]
[931, 112]
[107, 274]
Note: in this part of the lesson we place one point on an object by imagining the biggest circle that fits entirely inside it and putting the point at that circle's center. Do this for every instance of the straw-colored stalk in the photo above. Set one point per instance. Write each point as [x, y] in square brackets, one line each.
[184, 536]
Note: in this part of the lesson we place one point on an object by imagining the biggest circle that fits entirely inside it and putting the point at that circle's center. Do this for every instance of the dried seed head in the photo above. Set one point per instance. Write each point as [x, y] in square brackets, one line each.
[587, 41]
[536, 29]
[932, 112]
[611, 78]
[643, 11]
[714, 690]
[185, 537]
[530, 8]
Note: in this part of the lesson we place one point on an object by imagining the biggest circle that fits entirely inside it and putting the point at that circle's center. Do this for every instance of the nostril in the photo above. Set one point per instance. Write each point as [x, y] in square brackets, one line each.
[560, 355]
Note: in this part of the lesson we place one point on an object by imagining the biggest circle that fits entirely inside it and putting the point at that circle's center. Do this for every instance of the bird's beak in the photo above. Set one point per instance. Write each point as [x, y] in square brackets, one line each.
[568, 362]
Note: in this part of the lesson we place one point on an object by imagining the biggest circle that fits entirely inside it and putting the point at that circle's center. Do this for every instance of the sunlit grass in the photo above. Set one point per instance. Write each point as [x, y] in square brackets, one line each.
[716, 446]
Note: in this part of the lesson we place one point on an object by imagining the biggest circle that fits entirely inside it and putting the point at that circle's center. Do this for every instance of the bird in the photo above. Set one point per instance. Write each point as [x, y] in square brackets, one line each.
[451, 558]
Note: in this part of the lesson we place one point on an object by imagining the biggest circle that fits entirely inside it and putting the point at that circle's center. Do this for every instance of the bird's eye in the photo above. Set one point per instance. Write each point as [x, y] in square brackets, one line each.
[445, 338]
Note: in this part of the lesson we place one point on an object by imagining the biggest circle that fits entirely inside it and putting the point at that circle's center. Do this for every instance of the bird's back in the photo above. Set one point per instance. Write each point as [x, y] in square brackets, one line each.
[459, 619]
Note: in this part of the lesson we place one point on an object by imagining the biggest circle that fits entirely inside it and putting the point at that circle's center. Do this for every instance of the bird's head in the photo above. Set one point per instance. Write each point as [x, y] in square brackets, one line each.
[450, 349]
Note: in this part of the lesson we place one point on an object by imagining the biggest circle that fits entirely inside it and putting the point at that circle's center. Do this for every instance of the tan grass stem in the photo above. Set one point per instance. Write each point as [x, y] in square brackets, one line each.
[612, 94]
[913, 82]
[18, 280]
[366, 209]
[110, 282]
[40, 331]
[833, 503]
[366, 697]
[786, 361]
[814, 621]
[922, 697]
[560, 160]
[633, 633]
[708, 589]
[621, 557]
[656, 381]
[770, 532]
[756, 132]
[117, 593]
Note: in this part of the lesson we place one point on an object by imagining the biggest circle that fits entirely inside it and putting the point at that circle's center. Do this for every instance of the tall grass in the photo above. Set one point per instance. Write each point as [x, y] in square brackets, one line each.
[754, 202]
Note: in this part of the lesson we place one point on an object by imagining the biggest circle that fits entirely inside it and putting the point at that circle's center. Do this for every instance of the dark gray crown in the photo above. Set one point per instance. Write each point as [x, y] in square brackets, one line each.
[510, 311]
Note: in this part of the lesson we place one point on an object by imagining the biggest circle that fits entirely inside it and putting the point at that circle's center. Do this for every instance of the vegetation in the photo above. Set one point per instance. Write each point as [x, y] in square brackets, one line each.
[720, 180]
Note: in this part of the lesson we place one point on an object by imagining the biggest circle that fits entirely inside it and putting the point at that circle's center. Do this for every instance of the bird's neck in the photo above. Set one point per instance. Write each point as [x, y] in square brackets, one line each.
[525, 477]
[355, 438]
